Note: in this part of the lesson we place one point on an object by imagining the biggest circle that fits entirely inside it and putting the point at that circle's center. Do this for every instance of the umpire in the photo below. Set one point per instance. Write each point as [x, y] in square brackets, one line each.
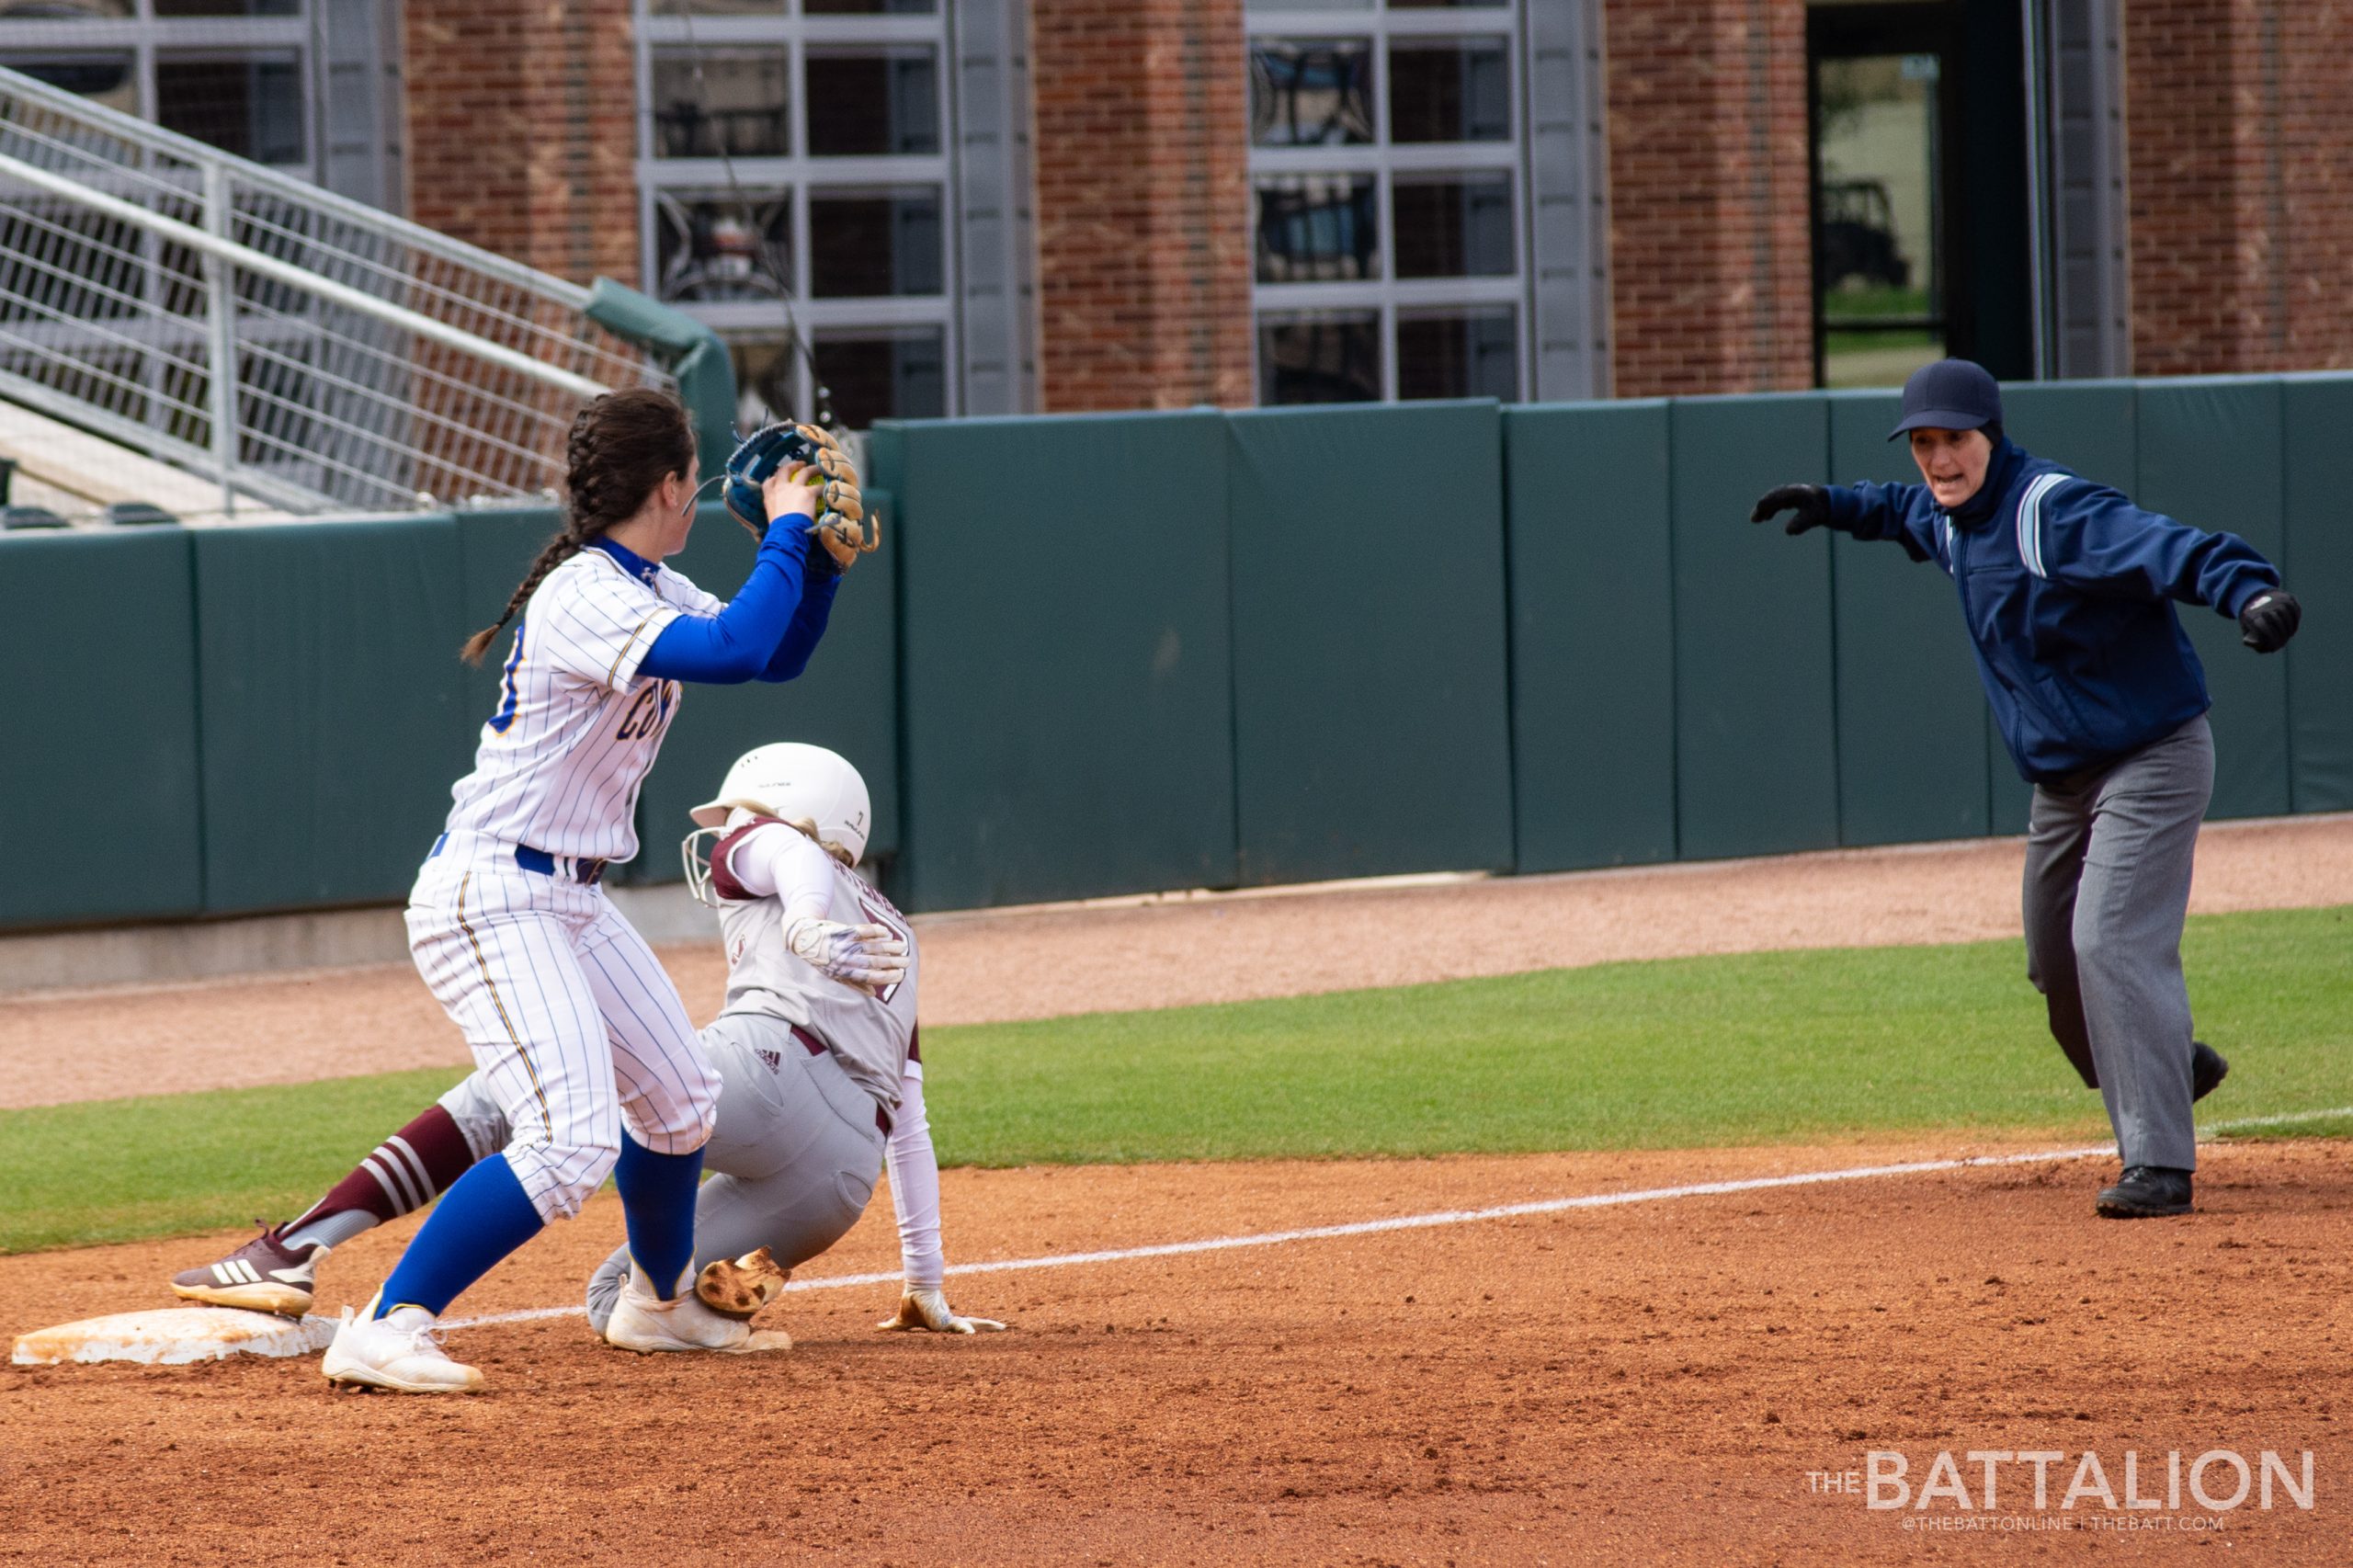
[2064, 586]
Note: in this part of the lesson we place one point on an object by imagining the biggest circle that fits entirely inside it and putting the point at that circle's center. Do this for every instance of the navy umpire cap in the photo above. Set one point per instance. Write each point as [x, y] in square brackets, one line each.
[1951, 394]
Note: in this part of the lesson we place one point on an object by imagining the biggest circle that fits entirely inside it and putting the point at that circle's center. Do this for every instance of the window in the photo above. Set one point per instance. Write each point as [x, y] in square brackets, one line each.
[1324, 357]
[1449, 90]
[866, 243]
[712, 245]
[1317, 228]
[251, 106]
[872, 102]
[897, 371]
[236, 73]
[1387, 183]
[721, 103]
[1878, 299]
[1311, 94]
[795, 183]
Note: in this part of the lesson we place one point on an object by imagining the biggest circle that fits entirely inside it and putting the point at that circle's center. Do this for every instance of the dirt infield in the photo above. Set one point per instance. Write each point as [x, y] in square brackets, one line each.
[1686, 1379]
[1658, 1382]
[221, 1034]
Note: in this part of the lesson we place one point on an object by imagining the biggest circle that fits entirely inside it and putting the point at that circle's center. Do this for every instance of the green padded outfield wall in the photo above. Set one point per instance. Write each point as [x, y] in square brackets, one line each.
[1593, 654]
[846, 700]
[2211, 455]
[101, 793]
[2317, 420]
[333, 707]
[1067, 725]
[1912, 731]
[2089, 427]
[1756, 754]
[1371, 699]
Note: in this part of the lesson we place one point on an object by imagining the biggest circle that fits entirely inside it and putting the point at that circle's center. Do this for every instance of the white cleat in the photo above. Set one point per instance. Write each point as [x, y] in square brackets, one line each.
[644, 1321]
[399, 1351]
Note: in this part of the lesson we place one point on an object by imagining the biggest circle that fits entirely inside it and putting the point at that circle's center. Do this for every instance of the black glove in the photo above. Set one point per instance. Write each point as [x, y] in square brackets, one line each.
[2270, 620]
[1810, 502]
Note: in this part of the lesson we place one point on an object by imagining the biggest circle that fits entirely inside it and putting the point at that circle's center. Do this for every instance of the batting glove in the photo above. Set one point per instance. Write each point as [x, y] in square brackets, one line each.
[928, 1310]
[866, 957]
[1809, 502]
[2270, 620]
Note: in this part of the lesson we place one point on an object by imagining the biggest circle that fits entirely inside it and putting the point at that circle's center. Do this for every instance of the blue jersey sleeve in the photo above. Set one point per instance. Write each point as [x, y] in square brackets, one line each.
[2092, 538]
[741, 641]
[808, 628]
[1887, 511]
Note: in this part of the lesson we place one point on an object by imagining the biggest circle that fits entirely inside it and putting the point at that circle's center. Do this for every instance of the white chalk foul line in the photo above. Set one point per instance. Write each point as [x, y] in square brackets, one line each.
[1468, 1216]
[2290, 1119]
[1396, 1223]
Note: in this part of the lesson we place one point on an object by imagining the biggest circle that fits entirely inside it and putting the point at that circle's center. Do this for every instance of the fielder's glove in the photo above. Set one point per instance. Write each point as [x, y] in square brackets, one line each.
[929, 1310]
[866, 958]
[841, 524]
[1809, 502]
[738, 1287]
[2270, 620]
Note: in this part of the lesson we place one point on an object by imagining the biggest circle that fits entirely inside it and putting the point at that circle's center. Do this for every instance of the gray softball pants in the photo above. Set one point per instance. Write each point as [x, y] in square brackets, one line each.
[2108, 865]
[793, 1158]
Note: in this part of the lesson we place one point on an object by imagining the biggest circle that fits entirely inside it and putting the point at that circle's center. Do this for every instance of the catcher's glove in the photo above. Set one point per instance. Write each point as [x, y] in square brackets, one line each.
[841, 524]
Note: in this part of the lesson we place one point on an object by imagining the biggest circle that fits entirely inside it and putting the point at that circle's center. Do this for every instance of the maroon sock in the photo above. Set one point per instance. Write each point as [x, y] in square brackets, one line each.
[399, 1175]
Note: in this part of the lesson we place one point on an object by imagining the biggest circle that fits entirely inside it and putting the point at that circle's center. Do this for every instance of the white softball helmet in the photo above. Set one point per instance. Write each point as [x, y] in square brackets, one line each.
[797, 783]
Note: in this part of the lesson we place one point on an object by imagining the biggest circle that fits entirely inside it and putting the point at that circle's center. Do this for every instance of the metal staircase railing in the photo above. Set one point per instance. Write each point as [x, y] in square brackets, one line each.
[309, 353]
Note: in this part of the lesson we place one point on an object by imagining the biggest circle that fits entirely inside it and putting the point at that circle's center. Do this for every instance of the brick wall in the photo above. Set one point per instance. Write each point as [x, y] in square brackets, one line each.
[1142, 203]
[522, 130]
[2239, 130]
[1711, 248]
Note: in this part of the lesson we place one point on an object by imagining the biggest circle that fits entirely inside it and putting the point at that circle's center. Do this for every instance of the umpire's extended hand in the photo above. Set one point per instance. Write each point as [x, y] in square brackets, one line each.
[2270, 620]
[1811, 502]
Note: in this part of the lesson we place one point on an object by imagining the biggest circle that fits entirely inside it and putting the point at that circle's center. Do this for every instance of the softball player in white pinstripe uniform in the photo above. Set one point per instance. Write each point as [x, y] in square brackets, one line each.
[821, 1076]
[574, 1024]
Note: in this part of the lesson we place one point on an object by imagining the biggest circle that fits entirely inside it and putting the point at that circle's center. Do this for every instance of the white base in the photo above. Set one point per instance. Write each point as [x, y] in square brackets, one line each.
[173, 1336]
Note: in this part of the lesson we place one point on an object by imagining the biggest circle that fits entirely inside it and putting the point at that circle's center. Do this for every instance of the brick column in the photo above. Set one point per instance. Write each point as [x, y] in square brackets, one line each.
[2239, 138]
[522, 130]
[1710, 245]
[1143, 215]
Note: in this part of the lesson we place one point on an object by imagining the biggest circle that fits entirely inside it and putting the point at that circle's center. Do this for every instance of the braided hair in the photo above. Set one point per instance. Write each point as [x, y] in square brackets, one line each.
[622, 446]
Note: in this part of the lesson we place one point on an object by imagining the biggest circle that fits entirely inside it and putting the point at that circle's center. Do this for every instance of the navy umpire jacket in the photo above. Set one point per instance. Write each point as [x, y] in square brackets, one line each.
[2065, 586]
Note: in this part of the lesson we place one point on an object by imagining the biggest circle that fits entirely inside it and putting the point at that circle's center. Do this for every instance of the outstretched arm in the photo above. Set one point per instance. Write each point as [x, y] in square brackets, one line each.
[809, 620]
[915, 1193]
[2090, 536]
[1865, 511]
[737, 644]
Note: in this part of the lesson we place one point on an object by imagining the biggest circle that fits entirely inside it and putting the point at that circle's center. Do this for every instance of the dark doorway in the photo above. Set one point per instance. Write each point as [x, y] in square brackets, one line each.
[1921, 240]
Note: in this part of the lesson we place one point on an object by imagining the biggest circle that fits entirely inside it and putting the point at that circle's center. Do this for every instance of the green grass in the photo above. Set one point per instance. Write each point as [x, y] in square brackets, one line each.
[1755, 1048]
[1872, 302]
[1835, 343]
[166, 1165]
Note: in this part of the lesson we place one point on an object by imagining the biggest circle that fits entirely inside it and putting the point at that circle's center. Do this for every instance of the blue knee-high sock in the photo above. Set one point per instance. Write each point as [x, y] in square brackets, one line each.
[484, 1216]
[658, 1203]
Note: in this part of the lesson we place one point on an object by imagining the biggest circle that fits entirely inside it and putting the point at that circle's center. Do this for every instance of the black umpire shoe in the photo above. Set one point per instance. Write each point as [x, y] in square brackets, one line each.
[2208, 1068]
[2146, 1192]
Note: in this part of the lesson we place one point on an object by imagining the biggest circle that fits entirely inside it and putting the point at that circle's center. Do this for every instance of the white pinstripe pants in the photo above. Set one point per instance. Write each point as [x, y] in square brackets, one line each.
[572, 1021]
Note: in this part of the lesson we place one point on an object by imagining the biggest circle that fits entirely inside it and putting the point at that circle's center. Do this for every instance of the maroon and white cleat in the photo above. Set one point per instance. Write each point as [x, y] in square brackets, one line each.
[263, 1276]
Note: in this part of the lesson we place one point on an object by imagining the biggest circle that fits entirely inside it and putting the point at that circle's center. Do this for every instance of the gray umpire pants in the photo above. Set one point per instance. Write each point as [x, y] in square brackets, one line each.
[2107, 863]
[793, 1158]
